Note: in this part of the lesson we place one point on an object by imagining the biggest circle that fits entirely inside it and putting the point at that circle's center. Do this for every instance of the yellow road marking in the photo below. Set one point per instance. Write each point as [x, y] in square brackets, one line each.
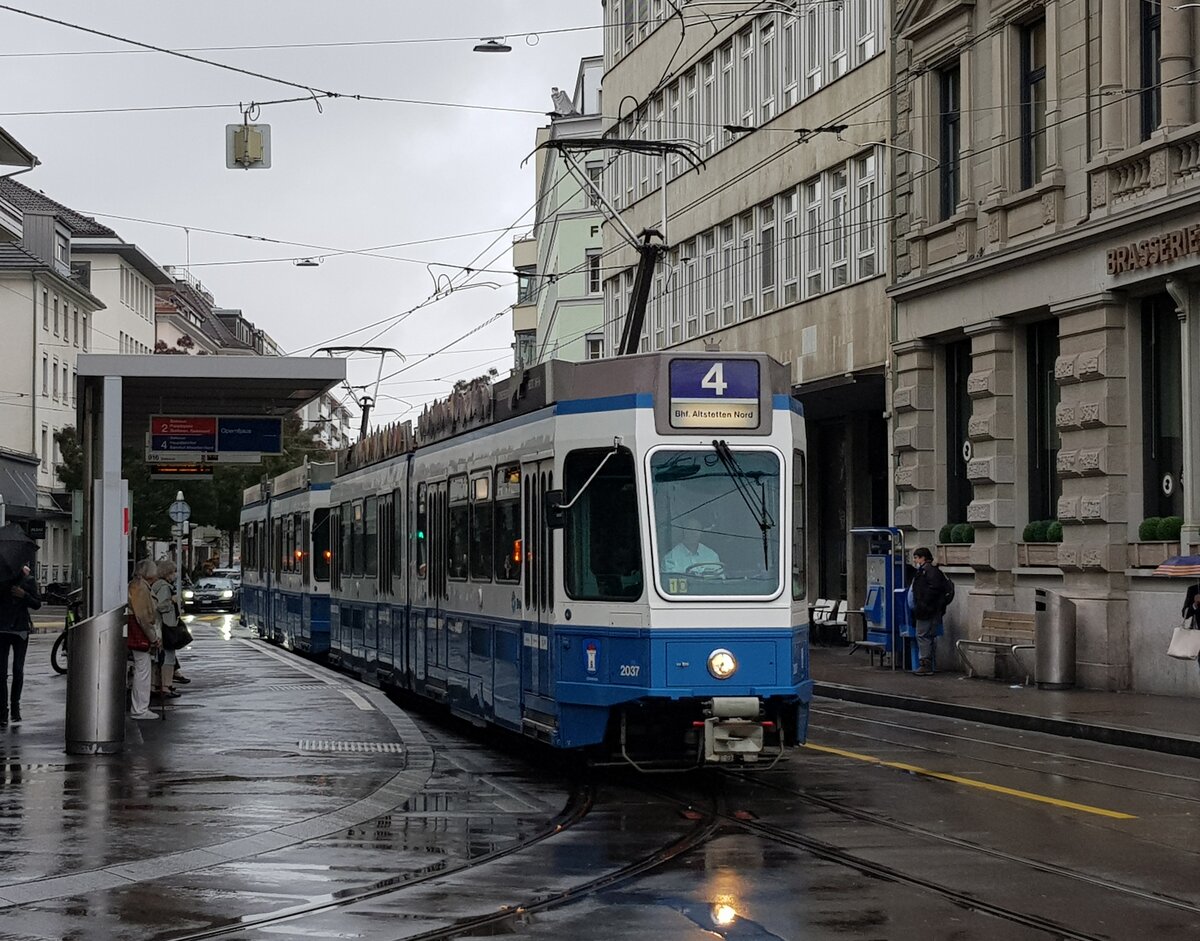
[982, 785]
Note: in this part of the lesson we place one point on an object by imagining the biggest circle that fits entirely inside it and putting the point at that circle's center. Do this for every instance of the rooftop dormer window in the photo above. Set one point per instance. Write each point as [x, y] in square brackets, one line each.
[62, 249]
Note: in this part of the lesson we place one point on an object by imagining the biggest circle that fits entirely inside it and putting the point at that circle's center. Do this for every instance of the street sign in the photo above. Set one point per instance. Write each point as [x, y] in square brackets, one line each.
[179, 511]
[264, 435]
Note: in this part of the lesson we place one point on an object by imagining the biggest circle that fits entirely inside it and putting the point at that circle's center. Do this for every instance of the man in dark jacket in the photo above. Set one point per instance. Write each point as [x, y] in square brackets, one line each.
[929, 604]
[17, 599]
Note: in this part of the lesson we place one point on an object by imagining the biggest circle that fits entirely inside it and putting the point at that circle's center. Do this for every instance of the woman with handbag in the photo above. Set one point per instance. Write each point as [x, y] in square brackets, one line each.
[1185, 642]
[144, 638]
[175, 634]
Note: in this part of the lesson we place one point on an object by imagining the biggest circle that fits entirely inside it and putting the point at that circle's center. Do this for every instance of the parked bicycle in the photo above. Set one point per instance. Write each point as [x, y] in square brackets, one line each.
[59, 653]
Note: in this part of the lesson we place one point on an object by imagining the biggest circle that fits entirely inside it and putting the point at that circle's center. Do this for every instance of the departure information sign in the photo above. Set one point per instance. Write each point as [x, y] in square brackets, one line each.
[209, 434]
[714, 393]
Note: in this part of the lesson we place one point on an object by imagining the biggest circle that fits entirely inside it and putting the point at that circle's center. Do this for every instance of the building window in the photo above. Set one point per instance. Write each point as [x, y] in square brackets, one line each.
[45, 310]
[729, 270]
[45, 374]
[836, 13]
[65, 393]
[948, 125]
[526, 348]
[45, 455]
[791, 247]
[1162, 408]
[766, 255]
[595, 346]
[54, 379]
[526, 285]
[56, 315]
[789, 56]
[866, 216]
[595, 172]
[1033, 103]
[728, 91]
[62, 250]
[593, 270]
[812, 47]
[766, 72]
[864, 30]
[958, 417]
[87, 340]
[1151, 30]
[708, 243]
[1044, 484]
[839, 236]
[814, 241]
[708, 106]
[746, 263]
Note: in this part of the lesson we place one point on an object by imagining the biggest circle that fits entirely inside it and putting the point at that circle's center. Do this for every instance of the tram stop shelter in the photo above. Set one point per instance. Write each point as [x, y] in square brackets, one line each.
[117, 395]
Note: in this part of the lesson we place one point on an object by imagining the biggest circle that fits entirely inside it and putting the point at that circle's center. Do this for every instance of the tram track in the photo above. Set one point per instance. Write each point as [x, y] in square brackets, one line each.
[1023, 749]
[579, 805]
[705, 823]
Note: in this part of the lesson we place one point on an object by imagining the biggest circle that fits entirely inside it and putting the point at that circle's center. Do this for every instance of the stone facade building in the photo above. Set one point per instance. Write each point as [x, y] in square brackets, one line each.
[1046, 260]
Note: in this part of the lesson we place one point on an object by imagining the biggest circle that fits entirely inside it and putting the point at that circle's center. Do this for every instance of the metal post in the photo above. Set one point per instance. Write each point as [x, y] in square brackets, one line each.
[95, 719]
[3, 511]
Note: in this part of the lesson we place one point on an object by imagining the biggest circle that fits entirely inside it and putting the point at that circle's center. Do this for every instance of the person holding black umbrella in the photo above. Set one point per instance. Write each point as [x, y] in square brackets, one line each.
[17, 599]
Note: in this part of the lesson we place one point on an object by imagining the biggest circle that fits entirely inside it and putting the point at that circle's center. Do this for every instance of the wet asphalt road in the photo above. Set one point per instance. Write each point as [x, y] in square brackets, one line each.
[230, 820]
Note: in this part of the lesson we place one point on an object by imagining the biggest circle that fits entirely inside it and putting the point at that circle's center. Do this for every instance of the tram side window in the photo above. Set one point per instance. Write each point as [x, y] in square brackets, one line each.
[422, 532]
[371, 538]
[292, 524]
[320, 545]
[356, 541]
[507, 521]
[398, 532]
[260, 547]
[277, 543]
[799, 556]
[481, 528]
[459, 533]
[601, 544]
[306, 557]
[347, 556]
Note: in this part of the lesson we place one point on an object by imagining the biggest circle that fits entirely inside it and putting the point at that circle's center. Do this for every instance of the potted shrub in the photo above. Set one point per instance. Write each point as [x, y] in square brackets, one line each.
[1039, 543]
[1158, 539]
[954, 544]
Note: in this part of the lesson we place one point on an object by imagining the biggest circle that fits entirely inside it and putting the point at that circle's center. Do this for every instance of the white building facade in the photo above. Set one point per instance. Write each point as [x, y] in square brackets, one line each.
[778, 242]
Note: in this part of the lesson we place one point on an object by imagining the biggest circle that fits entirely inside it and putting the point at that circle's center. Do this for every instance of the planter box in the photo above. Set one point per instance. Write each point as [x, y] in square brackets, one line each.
[1037, 554]
[953, 553]
[1150, 554]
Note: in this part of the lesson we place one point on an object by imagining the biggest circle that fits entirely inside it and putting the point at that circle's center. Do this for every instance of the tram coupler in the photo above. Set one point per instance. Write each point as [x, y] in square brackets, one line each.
[733, 729]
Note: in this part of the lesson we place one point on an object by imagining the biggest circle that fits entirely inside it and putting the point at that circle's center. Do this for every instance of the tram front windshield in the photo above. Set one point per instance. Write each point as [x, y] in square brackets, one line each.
[717, 521]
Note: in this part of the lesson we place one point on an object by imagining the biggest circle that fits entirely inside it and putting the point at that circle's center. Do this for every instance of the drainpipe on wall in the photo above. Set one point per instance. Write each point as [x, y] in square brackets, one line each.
[1182, 294]
[33, 391]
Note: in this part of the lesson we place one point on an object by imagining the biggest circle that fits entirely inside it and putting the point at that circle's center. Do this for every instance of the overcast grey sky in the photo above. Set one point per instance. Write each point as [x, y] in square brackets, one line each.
[360, 175]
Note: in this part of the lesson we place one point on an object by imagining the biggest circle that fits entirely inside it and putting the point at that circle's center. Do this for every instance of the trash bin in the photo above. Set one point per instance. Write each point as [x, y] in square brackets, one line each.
[1054, 650]
[96, 685]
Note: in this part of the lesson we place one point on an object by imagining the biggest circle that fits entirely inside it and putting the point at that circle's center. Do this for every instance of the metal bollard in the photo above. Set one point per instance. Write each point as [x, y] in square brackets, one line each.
[1055, 640]
[96, 685]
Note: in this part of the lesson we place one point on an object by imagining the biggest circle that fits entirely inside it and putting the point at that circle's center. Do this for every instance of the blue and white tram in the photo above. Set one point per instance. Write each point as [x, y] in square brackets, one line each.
[256, 568]
[605, 555]
[286, 556]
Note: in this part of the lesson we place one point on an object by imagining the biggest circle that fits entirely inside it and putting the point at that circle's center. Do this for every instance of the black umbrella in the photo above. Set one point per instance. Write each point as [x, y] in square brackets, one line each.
[16, 550]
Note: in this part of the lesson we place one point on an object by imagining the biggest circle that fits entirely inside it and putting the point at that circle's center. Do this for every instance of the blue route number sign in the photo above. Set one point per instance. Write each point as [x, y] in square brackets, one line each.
[714, 393]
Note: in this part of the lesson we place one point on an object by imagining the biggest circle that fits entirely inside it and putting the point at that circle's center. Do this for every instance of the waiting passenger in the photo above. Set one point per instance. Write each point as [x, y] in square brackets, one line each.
[689, 551]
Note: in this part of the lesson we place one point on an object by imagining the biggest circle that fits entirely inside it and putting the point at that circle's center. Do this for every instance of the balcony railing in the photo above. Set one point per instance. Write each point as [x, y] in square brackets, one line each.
[1160, 167]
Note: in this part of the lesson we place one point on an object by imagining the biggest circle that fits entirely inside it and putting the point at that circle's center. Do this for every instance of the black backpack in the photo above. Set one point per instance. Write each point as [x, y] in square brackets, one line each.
[947, 591]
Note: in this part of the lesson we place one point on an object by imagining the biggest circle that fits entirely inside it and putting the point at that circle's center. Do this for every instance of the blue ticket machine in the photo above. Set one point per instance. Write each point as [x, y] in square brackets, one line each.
[885, 609]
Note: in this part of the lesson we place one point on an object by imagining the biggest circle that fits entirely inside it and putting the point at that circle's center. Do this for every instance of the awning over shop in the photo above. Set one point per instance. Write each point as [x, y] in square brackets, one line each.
[18, 485]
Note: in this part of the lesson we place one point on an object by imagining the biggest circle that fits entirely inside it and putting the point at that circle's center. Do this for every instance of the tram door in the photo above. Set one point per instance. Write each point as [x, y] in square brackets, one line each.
[537, 562]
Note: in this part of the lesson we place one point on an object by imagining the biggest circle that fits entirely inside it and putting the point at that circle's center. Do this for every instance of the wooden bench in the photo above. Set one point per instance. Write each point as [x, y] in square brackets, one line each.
[1006, 643]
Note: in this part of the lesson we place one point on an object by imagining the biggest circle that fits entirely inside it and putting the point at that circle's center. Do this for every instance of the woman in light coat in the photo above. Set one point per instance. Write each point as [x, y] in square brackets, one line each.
[144, 610]
[163, 591]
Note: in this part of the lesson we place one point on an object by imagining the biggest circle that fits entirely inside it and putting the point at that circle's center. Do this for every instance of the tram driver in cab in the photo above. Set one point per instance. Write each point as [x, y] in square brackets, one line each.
[689, 552]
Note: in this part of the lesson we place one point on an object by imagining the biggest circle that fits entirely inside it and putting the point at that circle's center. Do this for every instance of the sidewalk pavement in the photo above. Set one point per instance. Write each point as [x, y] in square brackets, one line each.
[1159, 723]
[263, 755]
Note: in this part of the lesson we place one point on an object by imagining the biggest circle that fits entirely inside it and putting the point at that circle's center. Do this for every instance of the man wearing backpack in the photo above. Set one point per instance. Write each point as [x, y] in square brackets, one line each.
[931, 592]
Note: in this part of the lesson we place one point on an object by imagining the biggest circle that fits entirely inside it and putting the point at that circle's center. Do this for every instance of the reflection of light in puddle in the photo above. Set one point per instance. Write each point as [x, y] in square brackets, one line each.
[723, 914]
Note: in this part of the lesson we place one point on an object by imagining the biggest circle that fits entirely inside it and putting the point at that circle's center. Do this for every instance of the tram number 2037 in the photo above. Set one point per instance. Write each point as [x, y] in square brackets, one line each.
[630, 669]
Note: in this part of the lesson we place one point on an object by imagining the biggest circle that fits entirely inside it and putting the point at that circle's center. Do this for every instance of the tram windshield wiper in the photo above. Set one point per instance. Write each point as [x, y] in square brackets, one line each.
[756, 503]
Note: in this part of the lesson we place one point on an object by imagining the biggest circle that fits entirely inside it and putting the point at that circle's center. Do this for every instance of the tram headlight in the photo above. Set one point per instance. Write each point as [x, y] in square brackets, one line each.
[722, 664]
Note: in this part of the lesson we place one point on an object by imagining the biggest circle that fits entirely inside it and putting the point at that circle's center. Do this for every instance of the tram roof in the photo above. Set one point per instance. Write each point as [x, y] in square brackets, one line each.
[207, 385]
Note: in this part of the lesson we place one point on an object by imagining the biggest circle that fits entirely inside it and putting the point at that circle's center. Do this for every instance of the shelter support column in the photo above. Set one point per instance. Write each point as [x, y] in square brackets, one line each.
[1092, 420]
[108, 569]
[992, 466]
